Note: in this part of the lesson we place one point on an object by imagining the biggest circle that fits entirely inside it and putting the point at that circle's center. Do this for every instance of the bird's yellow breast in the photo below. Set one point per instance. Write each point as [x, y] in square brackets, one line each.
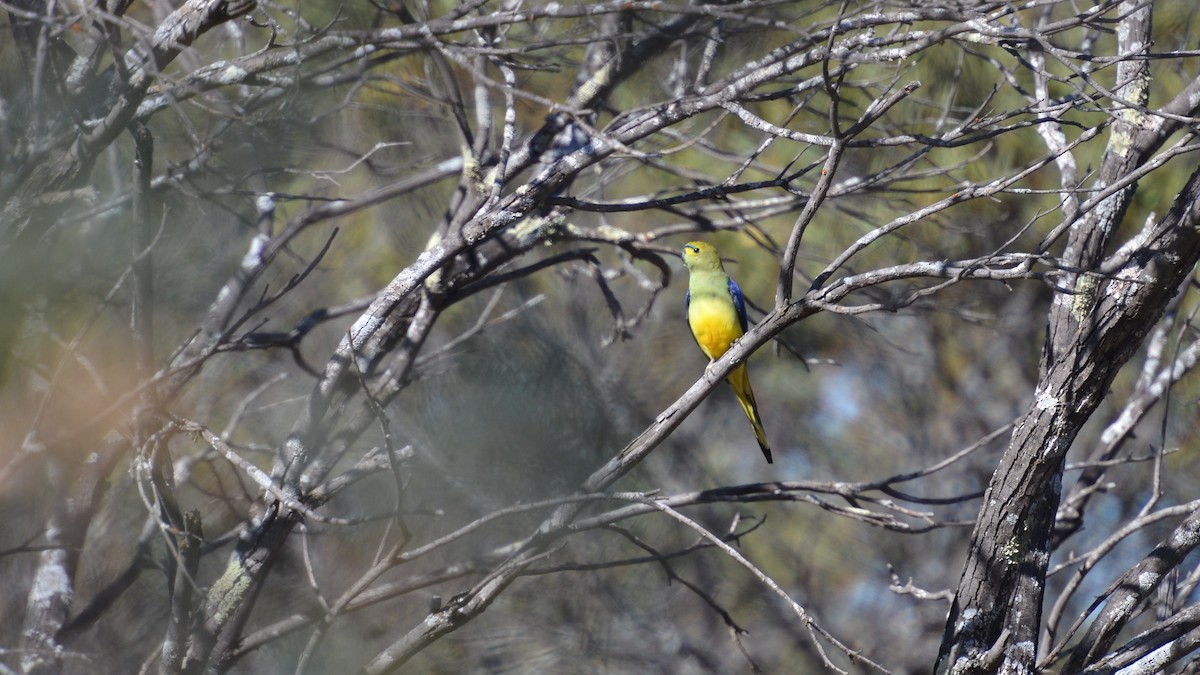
[715, 325]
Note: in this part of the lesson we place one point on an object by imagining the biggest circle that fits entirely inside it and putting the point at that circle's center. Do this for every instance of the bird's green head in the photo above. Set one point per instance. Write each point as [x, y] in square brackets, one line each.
[701, 255]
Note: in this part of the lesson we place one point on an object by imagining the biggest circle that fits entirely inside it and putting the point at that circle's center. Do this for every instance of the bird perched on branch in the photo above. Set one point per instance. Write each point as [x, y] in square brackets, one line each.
[716, 313]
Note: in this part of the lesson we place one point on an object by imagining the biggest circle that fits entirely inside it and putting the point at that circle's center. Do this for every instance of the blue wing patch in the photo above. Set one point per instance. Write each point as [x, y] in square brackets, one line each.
[739, 302]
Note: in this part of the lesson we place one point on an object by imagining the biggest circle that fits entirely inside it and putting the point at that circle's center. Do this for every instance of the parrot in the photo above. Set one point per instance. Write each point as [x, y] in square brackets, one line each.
[716, 313]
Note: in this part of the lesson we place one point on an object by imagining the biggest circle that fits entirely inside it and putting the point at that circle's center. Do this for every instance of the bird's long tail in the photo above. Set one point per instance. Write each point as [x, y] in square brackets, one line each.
[740, 382]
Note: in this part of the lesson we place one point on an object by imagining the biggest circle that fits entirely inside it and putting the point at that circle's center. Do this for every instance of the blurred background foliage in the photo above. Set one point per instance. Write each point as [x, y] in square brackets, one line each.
[527, 407]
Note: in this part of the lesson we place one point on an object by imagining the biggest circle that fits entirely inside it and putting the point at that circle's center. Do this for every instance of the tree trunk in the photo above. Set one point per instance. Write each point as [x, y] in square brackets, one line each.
[995, 617]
